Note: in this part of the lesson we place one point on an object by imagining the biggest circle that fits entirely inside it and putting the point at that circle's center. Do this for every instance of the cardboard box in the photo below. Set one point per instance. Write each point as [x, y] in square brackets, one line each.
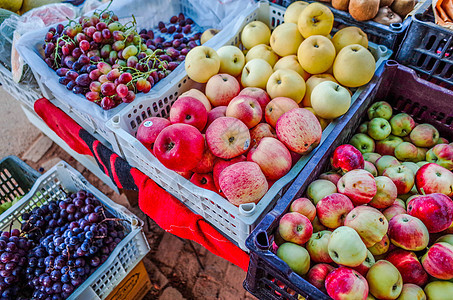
[135, 286]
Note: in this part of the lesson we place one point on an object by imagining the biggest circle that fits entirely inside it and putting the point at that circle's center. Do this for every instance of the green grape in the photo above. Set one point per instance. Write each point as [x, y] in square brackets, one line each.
[115, 26]
[129, 51]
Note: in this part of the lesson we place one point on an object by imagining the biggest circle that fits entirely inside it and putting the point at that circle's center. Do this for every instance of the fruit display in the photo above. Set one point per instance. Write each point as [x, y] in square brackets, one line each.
[109, 62]
[377, 224]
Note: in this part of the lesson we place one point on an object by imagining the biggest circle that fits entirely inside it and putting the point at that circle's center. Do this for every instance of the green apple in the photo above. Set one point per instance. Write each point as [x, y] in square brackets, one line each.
[439, 290]
[421, 154]
[369, 223]
[384, 280]
[380, 109]
[320, 188]
[255, 33]
[406, 151]
[317, 247]
[362, 142]
[317, 225]
[379, 128]
[424, 135]
[385, 162]
[448, 238]
[413, 166]
[386, 193]
[402, 124]
[371, 157]
[387, 146]
[363, 128]
[346, 247]
[370, 168]
[412, 291]
[295, 256]
[421, 163]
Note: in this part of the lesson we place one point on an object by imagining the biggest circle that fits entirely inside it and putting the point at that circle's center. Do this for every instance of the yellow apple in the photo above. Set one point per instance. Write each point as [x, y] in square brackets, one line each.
[293, 11]
[285, 39]
[384, 280]
[232, 60]
[330, 100]
[264, 52]
[316, 54]
[354, 66]
[349, 36]
[312, 82]
[255, 33]
[208, 34]
[286, 83]
[291, 62]
[197, 94]
[324, 122]
[441, 290]
[315, 19]
[201, 63]
[256, 73]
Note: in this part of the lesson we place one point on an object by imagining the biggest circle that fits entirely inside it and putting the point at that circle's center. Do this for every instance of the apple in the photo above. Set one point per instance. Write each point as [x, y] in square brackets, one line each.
[448, 238]
[221, 164]
[319, 189]
[285, 39]
[422, 163]
[333, 209]
[330, 100]
[387, 146]
[262, 51]
[255, 33]
[347, 158]
[411, 165]
[402, 124]
[400, 202]
[295, 256]
[293, 11]
[202, 63]
[386, 193]
[344, 283]
[208, 34]
[434, 210]
[258, 94]
[348, 36]
[299, 130]
[380, 109]
[346, 248]
[406, 151]
[331, 176]
[189, 111]
[363, 143]
[385, 280]
[384, 162]
[369, 223]
[402, 177]
[291, 62]
[243, 182]
[260, 131]
[393, 210]
[228, 137]
[197, 94]
[439, 290]
[379, 129]
[286, 83]
[206, 164]
[221, 88]
[441, 154]
[277, 107]
[424, 135]
[409, 267]
[359, 185]
[371, 157]
[317, 247]
[317, 225]
[295, 228]
[412, 291]
[216, 112]
[438, 261]
[315, 19]
[204, 181]
[149, 129]
[408, 232]
[363, 128]
[380, 247]
[317, 275]
[316, 54]
[432, 178]
[305, 207]
[442, 140]
[354, 66]
[311, 83]
[246, 109]
[232, 60]
[186, 174]
[256, 73]
[366, 264]
[179, 147]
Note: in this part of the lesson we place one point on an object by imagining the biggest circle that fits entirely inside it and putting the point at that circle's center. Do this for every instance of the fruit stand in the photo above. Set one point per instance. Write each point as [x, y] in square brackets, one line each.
[306, 142]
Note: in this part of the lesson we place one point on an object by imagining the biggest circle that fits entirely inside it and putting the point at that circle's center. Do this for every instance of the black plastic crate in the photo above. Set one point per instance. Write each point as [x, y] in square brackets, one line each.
[390, 36]
[428, 48]
[16, 178]
[268, 277]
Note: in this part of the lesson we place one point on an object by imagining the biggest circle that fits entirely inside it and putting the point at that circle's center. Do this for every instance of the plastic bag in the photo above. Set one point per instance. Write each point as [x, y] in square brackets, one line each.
[90, 5]
[52, 13]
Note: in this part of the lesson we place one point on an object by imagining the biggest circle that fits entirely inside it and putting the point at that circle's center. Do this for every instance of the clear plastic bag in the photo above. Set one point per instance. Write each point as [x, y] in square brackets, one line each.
[52, 13]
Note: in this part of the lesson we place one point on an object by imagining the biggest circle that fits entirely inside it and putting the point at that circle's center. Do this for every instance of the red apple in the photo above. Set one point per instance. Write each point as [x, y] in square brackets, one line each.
[344, 283]
[216, 112]
[386, 193]
[246, 109]
[438, 261]
[359, 185]
[295, 228]
[402, 176]
[260, 131]
[204, 181]
[333, 209]
[435, 211]
[220, 164]
[185, 174]
[432, 178]
[408, 232]
[304, 206]
[228, 137]
[221, 88]
[189, 110]
[258, 94]
[347, 158]
[442, 155]
[333, 177]
[392, 211]
[410, 268]
[179, 147]
[206, 163]
[243, 182]
[299, 130]
[149, 129]
[277, 107]
[369, 223]
[317, 275]
[366, 264]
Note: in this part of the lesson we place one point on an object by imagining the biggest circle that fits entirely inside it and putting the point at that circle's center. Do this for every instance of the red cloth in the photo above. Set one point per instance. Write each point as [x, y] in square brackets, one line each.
[167, 211]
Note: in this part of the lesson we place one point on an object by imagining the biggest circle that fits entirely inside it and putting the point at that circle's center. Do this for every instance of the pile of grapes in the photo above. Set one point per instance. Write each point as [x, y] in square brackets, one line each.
[60, 245]
[110, 62]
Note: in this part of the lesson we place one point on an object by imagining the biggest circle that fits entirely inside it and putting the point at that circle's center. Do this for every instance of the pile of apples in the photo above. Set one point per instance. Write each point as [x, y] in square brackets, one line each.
[354, 237]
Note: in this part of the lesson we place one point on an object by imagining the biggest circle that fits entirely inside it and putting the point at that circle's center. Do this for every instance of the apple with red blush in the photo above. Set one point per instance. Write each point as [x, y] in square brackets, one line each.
[346, 158]
[149, 129]
[228, 137]
[434, 210]
[204, 181]
[409, 266]
[189, 110]
[432, 178]
[317, 275]
[295, 228]
[344, 283]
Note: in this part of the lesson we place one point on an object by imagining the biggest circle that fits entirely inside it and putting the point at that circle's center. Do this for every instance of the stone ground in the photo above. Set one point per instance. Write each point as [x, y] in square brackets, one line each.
[178, 269]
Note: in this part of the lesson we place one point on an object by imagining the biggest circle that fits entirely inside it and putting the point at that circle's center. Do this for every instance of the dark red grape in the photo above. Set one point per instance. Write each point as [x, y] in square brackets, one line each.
[77, 90]
[173, 19]
[101, 26]
[107, 103]
[129, 98]
[97, 37]
[64, 80]
[84, 45]
[60, 28]
[179, 29]
[189, 21]
[161, 25]
[82, 80]
[106, 34]
[187, 29]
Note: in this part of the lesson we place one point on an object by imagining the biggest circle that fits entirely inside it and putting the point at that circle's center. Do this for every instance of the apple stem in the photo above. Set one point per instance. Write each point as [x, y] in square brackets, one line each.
[423, 191]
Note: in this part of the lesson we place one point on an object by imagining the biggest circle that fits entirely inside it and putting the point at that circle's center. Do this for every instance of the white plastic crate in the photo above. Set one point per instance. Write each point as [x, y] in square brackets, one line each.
[25, 93]
[235, 222]
[127, 254]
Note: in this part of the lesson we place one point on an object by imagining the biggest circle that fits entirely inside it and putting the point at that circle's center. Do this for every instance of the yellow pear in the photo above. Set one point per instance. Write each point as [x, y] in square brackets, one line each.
[291, 62]
[285, 39]
[286, 83]
[316, 54]
[311, 83]
[315, 19]
[262, 51]
[348, 36]
[293, 11]
[354, 66]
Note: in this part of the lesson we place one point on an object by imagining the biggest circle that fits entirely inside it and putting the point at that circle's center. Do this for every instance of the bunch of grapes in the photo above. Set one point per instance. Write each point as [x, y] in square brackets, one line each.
[110, 62]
